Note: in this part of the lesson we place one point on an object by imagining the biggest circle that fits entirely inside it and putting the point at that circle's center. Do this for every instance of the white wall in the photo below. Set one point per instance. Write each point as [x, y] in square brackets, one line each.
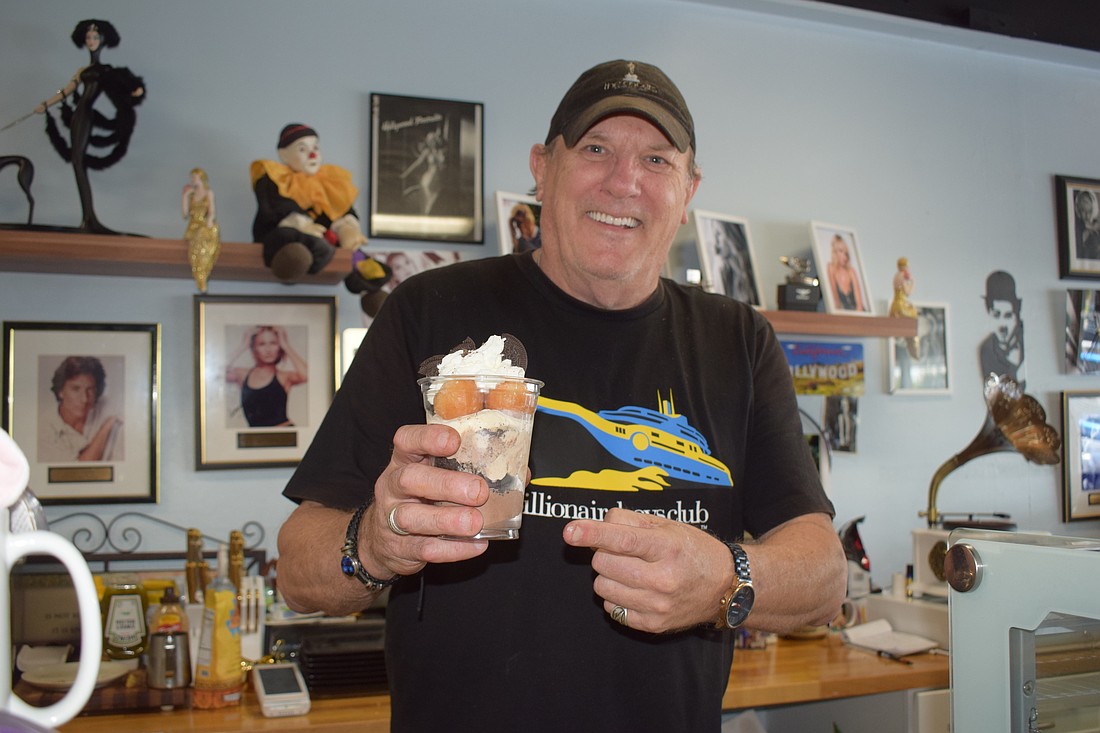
[937, 152]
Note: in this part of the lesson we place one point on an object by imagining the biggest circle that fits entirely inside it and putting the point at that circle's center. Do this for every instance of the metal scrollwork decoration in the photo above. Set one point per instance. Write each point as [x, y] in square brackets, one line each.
[122, 535]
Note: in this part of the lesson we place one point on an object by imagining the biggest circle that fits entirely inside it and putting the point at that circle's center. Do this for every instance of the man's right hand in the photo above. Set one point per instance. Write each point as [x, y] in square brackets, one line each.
[412, 489]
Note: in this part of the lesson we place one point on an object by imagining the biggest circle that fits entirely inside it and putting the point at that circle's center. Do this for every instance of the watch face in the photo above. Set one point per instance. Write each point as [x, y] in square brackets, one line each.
[739, 606]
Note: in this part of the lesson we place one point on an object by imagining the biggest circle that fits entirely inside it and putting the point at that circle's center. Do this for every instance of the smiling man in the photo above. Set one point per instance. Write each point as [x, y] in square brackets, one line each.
[666, 433]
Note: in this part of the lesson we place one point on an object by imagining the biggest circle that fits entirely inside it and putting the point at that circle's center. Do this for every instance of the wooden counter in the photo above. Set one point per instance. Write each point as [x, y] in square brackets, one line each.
[786, 672]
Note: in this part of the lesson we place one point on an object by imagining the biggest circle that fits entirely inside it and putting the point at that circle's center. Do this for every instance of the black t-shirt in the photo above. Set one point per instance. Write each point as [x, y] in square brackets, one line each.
[682, 407]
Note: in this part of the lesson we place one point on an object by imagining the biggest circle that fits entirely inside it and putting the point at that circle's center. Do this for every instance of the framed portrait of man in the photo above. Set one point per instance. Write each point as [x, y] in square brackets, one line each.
[82, 404]
[1077, 201]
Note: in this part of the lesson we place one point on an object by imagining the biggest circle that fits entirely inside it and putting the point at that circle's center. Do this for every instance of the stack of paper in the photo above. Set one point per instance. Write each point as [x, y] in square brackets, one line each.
[879, 636]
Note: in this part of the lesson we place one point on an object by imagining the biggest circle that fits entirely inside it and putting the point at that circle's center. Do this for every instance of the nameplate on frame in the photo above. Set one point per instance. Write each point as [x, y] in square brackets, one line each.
[267, 440]
[80, 474]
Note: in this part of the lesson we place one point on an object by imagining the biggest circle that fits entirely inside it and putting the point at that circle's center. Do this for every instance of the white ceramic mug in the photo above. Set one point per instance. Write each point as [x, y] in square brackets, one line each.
[14, 474]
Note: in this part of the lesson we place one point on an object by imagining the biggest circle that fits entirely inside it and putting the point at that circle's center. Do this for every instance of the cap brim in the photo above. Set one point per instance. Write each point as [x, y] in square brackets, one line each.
[624, 104]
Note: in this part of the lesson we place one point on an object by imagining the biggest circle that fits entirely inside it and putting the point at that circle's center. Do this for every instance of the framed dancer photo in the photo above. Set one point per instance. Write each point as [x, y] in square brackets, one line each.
[840, 269]
[1077, 201]
[726, 254]
[82, 402]
[426, 169]
[265, 374]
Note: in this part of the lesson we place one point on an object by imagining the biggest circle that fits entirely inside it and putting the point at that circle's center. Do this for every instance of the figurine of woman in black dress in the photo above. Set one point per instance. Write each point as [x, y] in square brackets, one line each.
[87, 126]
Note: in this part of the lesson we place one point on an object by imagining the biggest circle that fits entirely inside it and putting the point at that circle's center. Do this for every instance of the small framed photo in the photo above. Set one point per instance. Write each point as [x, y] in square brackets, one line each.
[840, 269]
[519, 215]
[426, 169]
[350, 339]
[265, 373]
[919, 365]
[1082, 332]
[1077, 201]
[81, 401]
[726, 254]
[1081, 456]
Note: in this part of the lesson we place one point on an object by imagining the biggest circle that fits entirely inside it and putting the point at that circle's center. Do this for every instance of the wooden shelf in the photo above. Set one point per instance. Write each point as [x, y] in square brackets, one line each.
[824, 324]
[69, 253]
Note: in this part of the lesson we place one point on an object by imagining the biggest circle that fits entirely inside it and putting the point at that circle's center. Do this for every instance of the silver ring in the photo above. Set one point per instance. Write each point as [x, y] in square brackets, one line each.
[393, 523]
[618, 613]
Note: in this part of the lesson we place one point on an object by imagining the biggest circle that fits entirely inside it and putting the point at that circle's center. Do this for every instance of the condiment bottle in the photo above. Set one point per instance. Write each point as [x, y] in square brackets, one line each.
[169, 648]
[123, 606]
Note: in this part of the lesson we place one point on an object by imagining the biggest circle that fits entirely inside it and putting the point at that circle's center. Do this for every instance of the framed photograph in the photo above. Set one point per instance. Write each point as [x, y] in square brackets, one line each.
[518, 214]
[1077, 201]
[81, 401]
[265, 373]
[1082, 332]
[1080, 456]
[919, 365]
[840, 269]
[426, 169]
[350, 339]
[726, 254]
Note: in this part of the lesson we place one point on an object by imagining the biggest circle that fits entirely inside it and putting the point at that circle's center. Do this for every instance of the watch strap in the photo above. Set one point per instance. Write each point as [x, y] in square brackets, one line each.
[742, 577]
[350, 565]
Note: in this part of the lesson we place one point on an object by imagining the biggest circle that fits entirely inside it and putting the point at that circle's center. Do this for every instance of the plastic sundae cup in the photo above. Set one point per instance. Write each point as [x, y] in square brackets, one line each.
[494, 415]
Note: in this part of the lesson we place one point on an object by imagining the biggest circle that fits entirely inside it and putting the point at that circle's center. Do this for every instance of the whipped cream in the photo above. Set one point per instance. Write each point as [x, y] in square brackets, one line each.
[487, 359]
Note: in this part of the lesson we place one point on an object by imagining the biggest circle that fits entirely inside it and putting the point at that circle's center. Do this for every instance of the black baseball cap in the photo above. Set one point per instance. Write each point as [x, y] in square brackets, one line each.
[623, 87]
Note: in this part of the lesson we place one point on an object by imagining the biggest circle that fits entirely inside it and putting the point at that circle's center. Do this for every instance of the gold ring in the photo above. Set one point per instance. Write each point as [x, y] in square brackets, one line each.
[618, 613]
[390, 520]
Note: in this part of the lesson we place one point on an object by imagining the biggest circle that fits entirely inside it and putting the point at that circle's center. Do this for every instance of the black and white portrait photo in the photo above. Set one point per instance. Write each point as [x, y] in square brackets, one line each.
[725, 250]
[426, 169]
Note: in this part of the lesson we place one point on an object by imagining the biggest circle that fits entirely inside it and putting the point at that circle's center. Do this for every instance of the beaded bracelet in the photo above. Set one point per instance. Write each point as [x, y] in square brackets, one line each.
[349, 562]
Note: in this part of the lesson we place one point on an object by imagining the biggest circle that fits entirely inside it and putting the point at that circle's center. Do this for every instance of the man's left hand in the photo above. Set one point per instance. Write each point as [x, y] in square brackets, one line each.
[667, 574]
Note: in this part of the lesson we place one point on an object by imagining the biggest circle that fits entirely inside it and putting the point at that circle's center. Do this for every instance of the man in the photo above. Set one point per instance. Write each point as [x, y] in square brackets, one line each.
[82, 427]
[1002, 351]
[603, 615]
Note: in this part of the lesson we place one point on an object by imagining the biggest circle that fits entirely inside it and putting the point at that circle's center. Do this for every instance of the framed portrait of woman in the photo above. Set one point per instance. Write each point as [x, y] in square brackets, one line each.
[840, 270]
[81, 403]
[518, 215]
[726, 254]
[265, 373]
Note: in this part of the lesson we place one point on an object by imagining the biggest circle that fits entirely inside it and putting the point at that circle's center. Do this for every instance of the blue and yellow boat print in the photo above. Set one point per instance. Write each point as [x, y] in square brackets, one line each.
[655, 441]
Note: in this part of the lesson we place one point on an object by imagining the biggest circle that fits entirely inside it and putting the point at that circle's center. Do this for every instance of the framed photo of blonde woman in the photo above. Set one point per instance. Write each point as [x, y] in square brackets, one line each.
[265, 374]
[840, 269]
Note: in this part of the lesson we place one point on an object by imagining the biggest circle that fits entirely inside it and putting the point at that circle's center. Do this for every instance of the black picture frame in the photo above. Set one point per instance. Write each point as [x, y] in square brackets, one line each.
[426, 169]
[118, 458]
[227, 434]
[1077, 202]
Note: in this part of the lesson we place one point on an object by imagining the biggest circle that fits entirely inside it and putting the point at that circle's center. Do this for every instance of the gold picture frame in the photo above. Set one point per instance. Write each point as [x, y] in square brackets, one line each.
[82, 401]
[287, 343]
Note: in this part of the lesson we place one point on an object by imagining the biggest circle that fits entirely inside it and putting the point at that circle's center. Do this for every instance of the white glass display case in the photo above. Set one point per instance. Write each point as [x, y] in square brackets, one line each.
[1025, 632]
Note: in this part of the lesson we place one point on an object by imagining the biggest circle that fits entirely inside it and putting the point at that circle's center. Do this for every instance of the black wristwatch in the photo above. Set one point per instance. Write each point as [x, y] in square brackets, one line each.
[349, 562]
[737, 602]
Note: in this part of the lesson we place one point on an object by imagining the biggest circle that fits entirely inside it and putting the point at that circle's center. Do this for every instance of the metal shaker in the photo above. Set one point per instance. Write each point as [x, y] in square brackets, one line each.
[169, 660]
